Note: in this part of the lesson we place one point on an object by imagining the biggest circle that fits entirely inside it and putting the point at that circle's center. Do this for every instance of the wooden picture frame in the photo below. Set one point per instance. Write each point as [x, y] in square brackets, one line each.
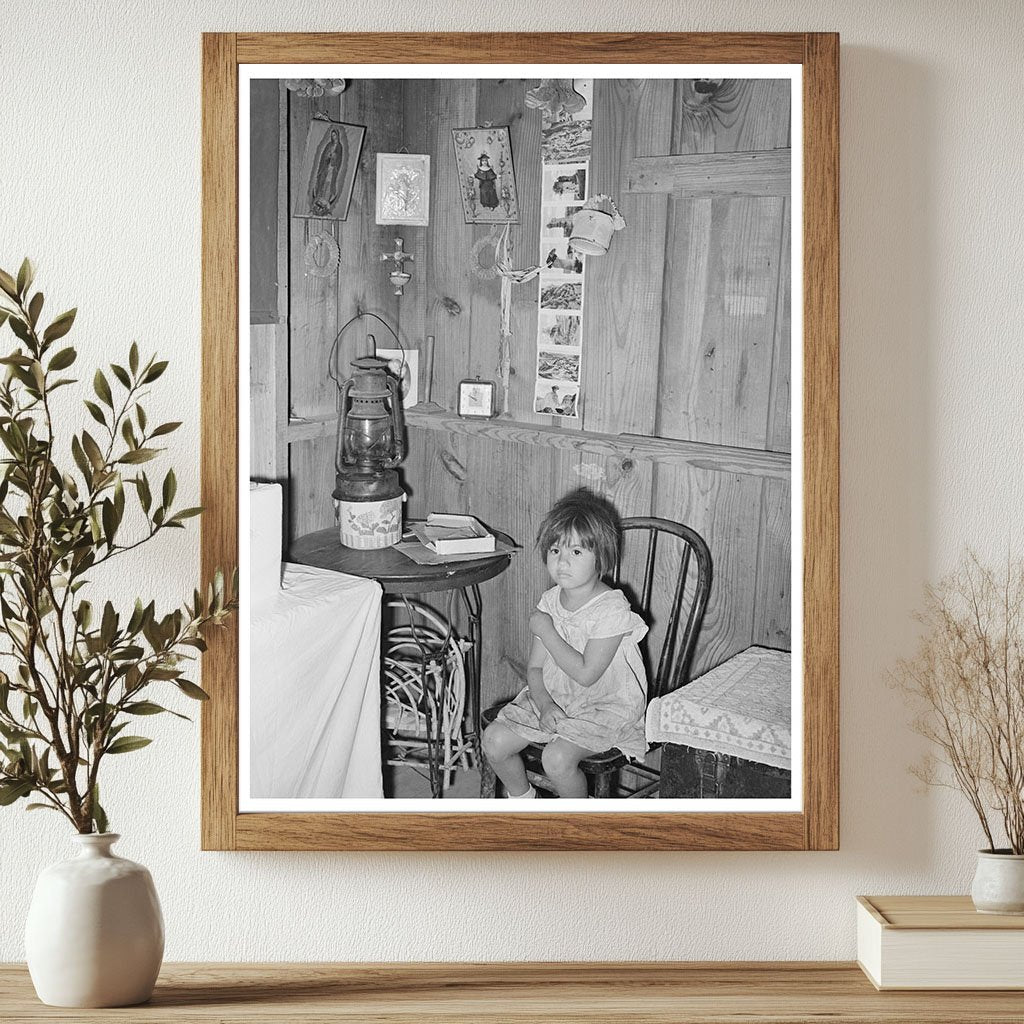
[813, 827]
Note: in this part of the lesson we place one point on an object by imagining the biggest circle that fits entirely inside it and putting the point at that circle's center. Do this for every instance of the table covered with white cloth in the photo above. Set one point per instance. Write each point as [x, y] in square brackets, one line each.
[313, 699]
[741, 708]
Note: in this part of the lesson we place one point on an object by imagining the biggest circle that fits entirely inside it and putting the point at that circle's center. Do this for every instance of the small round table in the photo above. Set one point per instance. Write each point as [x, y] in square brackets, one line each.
[399, 575]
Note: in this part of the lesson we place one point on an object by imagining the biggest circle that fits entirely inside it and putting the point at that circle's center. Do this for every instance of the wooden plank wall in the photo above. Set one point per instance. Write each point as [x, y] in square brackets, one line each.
[685, 336]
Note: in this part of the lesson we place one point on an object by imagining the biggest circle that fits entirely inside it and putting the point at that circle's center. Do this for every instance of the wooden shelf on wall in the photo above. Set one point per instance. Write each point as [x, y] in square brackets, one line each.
[663, 450]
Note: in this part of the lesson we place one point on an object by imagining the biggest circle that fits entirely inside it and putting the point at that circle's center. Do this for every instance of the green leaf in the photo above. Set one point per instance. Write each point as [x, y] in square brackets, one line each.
[133, 358]
[191, 690]
[121, 374]
[125, 744]
[41, 807]
[128, 433]
[170, 488]
[7, 283]
[26, 274]
[165, 428]
[20, 328]
[102, 388]
[63, 359]
[95, 412]
[60, 326]
[99, 817]
[92, 449]
[186, 513]
[34, 308]
[154, 372]
[4, 314]
[108, 627]
[145, 497]
[14, 790]
[143, 707]
[139, 455]
[140, 415]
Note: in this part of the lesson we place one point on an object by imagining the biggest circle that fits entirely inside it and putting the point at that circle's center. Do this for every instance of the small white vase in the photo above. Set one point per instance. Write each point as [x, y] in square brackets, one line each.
[95, 934]
[999, 882]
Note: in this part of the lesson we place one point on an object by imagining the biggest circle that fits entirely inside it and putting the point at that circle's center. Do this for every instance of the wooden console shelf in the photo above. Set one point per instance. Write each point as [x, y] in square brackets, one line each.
[661, 993]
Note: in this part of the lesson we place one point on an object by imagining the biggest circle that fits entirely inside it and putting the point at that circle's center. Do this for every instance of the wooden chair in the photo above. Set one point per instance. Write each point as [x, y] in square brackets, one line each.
[673, 610]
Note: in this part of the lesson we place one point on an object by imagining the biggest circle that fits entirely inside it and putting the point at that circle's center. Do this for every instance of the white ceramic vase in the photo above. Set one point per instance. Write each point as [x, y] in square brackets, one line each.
[999, 883]
[95, 934]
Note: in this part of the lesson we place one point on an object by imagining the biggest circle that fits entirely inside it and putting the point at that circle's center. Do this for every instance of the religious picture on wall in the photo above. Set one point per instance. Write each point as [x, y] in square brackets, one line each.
[403, 188]
[483, 159]
[329, 167]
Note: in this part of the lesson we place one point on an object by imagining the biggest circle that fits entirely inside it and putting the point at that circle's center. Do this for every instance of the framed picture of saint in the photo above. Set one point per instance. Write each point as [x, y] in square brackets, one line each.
[483, 158]
[329, 166]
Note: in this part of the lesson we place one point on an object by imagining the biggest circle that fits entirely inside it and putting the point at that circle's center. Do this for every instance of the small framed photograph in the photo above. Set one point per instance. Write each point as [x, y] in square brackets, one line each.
[403, 188]
[476, 399]
[329, 167]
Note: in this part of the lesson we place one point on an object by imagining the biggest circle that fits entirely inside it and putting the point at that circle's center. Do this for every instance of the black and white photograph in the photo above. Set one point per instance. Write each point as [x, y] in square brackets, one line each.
[560, 329]
[559, 295]
[559, 366]
[561, 257]
[565, 183]
[599, 605]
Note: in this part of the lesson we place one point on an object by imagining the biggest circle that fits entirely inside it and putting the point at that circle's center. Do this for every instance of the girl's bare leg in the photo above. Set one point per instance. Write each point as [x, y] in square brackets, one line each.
[561, 761]
[501, 747]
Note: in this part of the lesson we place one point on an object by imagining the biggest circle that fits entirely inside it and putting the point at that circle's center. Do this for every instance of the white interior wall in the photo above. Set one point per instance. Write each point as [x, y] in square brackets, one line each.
[100, 184]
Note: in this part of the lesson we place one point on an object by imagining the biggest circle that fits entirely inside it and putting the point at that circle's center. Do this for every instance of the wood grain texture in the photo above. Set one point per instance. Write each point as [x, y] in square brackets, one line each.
[219, 430]
[523, 993]
[521, 47]
[447, 453]
[821, 440]
[711, 174]
[720, 458]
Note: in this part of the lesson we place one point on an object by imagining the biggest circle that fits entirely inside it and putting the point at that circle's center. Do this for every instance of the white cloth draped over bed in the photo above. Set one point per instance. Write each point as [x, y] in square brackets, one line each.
[314, 672]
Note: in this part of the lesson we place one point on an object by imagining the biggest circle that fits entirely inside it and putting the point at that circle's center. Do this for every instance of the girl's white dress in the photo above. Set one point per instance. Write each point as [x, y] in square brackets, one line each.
[610, 713]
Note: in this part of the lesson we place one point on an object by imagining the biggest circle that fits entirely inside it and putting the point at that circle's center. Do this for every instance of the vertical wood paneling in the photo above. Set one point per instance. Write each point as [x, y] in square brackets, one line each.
[725, 510]
[723, 282]
[622, 305]
[779, 429]
[450, 286]
[772, 615]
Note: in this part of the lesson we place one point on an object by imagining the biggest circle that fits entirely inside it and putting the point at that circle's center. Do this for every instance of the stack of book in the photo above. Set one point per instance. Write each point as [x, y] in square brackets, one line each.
[453, 534]
[938, 942]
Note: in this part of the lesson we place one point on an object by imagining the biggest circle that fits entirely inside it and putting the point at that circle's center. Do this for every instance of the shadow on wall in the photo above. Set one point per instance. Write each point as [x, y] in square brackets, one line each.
[888, 275]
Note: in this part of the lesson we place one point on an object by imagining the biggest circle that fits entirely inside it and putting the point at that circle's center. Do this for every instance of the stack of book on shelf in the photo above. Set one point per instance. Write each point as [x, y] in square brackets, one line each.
[938, 942]
[454, 535]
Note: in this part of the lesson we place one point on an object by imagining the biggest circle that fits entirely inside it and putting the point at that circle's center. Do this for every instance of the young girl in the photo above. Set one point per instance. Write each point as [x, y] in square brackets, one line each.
[586, 686]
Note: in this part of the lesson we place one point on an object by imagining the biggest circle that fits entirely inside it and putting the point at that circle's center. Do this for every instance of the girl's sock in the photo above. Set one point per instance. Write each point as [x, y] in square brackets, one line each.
[528, 795]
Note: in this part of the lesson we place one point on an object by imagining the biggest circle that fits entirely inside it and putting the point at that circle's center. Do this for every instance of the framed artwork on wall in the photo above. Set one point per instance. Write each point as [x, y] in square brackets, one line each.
[487, 182]
[774, 202]
[329, 168]
[403, 188]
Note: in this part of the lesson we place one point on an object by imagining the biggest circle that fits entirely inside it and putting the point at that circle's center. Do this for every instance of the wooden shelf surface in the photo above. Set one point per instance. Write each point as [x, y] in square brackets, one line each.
[461, 993]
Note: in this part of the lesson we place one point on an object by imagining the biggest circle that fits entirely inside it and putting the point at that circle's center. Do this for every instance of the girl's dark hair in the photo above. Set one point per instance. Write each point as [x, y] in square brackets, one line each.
[592, 518]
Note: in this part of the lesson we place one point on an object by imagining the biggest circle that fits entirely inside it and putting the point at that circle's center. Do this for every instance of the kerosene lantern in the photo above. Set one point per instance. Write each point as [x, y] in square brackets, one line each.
[370, 444]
